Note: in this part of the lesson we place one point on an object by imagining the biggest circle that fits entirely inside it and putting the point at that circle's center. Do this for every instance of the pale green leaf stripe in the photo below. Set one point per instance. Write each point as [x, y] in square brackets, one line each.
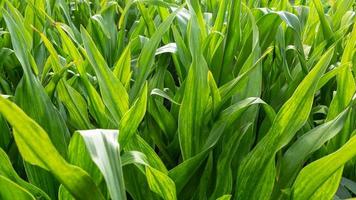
[113, 92]
[257, 171]
[7, 171]
[315, 174]
[10, 189]
[36, 148]
[105, 152]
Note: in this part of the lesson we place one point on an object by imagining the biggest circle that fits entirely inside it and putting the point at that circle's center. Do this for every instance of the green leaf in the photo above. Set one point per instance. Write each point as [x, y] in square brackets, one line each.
[216, 97]
[257, 171]
[327, 31]
[5, 136]
[137, 143]
[94, 100]
[195, 99]
[122, 68]
[315, 174]
[9, 190]
[37, 149]
[163, 94]
[225, 197]
[113, 92]
[134, 157]
[224, 177]
[7, 171]
[75, 104]
[39, 107]
[105, 152]
[161, 184]
[132, 118]
[182, 173]
[311, 141]
[146, 58]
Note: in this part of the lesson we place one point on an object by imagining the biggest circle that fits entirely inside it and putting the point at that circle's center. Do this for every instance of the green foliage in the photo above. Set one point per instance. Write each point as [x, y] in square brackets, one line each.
[153, 99]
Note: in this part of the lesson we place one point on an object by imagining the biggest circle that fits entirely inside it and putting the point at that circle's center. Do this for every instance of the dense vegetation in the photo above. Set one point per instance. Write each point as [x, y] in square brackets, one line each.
[165, 99]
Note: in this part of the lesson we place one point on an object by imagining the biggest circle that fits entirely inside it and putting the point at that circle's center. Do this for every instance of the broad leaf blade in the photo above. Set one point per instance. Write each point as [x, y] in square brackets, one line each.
[37, 149]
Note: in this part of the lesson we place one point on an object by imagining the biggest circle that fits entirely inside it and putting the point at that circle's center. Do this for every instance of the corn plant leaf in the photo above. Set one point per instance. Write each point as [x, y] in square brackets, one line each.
[311, 141]
[134, 157]
[37, 149]
[132, 118]
[9, 190]
[161, 184]
[163, 94]
[7, 171]
[78, 155]
[327, 31]
[213, 99]
[113, 92]
[75, 104]
[195, 97]
[346, 88]
[224, 180]
[182, 173]
[5, 136]
[259, 173]
[225, 197]
[94, 101]
[122, 68]
[137, 143]
[146, 58]
[104, 150]
[38, 107]
[316, 173]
